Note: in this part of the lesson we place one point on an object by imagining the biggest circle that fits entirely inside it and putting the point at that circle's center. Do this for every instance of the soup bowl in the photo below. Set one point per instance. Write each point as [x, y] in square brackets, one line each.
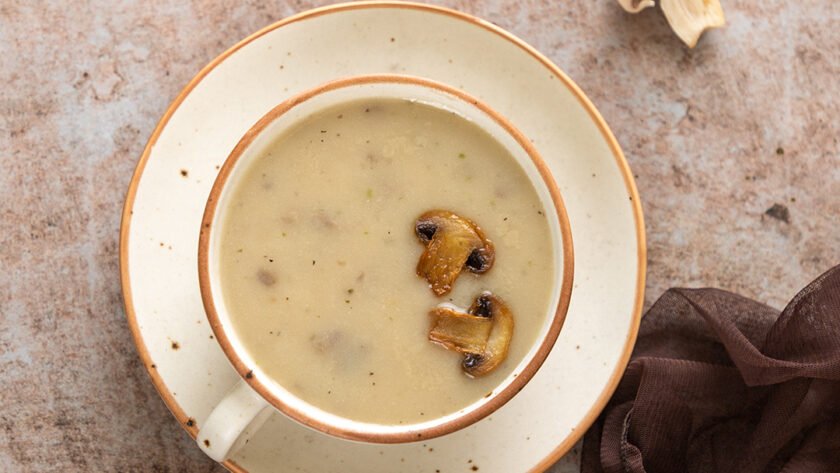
[258, 395]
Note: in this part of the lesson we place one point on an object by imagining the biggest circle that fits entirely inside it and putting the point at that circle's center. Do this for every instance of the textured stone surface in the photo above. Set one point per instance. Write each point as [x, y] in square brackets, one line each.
[734, 146]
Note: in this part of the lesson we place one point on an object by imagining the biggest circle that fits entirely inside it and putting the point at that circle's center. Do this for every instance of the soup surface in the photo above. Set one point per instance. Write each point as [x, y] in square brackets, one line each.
[318, 256]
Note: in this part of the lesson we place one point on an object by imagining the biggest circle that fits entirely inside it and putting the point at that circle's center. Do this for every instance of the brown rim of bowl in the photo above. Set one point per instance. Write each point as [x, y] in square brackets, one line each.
[498, 398]
[565, 443]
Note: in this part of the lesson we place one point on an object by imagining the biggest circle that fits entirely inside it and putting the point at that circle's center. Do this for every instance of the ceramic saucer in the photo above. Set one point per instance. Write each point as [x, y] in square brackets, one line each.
[166, 197]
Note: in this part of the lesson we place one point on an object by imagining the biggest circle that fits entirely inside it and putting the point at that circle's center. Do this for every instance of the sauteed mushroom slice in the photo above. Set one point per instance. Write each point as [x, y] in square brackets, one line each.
[482, 334]
[459, 331]
[498, 342]
[452, 243]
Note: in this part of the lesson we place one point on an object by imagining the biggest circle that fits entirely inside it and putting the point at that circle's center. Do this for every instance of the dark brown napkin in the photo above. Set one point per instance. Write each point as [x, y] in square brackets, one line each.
[720, 383]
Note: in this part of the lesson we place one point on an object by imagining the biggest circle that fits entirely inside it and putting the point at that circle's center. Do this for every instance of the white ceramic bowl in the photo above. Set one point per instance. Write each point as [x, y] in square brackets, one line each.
[244, 408]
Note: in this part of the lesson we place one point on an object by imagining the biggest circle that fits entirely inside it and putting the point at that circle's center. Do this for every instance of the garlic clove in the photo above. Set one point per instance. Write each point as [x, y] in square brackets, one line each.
[690, 18]
[635, 6]
[482, 334]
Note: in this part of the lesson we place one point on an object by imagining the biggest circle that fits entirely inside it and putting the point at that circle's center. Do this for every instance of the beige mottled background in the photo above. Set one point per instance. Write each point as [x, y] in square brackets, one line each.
[716, 136]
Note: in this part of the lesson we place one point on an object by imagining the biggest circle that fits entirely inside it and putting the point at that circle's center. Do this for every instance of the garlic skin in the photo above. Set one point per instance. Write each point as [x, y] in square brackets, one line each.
[635, 6]
[690, 18]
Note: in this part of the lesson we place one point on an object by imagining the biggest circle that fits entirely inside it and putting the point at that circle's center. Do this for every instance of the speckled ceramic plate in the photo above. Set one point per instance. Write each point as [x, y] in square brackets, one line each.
[159, 237]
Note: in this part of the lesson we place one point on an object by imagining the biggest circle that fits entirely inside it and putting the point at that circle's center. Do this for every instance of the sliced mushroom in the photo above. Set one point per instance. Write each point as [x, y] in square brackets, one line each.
[459, 331]
[498, 342]
[690, 18]
[452, 243]
[482, 334]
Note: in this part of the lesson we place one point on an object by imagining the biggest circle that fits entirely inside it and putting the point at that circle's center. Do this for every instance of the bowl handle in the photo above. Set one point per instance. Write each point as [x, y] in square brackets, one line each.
[232, 422]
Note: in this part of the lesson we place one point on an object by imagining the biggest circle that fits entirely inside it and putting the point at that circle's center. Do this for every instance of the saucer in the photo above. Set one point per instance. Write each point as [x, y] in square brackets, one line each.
[166, 197]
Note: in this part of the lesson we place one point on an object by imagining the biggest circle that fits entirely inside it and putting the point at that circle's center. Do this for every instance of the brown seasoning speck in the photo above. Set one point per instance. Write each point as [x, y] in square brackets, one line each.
[779, 212]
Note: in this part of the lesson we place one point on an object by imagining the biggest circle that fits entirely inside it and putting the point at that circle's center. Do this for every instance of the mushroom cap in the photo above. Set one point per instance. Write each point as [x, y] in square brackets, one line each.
[452, 243]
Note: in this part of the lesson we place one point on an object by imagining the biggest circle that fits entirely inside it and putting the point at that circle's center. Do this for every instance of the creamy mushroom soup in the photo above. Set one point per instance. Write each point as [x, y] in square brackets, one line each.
[319, 257]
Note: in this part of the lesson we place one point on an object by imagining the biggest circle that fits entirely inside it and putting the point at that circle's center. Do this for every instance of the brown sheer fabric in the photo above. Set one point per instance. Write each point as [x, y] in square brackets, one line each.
[720, 383]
